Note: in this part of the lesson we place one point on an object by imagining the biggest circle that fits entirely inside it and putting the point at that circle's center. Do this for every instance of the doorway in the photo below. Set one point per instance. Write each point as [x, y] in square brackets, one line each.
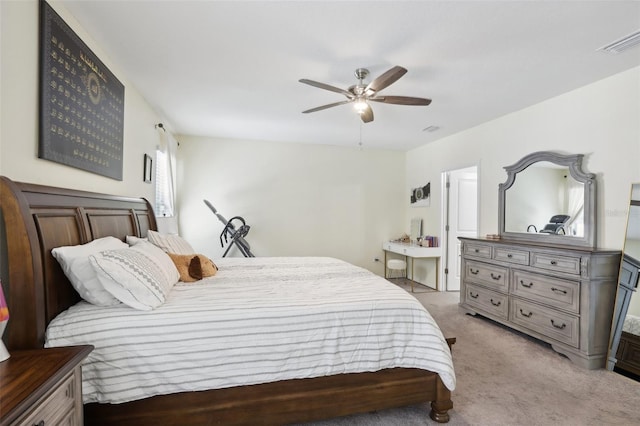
[460, 219]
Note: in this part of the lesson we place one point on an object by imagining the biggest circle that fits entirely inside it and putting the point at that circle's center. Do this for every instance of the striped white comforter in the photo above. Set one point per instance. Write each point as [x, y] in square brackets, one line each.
[257, 320]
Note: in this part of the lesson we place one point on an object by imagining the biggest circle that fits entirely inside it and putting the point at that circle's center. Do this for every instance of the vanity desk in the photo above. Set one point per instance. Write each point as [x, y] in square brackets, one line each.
[413, 251]
[544, 274]
[561, 295]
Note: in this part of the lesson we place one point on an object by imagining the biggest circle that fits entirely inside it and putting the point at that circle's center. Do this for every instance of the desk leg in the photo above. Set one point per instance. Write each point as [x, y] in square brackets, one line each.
[385, 264]
[406, 259]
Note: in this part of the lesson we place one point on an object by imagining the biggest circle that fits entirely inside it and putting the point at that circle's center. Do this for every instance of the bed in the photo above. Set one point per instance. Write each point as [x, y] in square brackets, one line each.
[39, 218]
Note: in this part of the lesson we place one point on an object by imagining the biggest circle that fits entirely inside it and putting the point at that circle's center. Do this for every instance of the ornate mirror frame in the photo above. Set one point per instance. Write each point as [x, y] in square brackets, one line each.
[574, 164]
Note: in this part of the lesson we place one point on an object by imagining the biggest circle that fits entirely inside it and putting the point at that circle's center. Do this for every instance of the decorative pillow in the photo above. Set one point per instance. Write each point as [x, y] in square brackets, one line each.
[133, 240]
[75, 263]
[140, 276]
[170, 243]
[193, 267]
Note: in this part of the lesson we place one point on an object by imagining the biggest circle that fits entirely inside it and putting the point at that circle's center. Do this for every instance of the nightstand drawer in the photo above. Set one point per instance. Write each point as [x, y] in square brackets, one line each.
[55, 407]
[556, 263]
[556, 325]
[551, 291]
[521, 257]
[492, 276]
[487, 300]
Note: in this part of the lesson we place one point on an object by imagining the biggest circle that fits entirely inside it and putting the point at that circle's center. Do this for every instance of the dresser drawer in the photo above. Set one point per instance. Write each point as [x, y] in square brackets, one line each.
[492, 276]
[556, 325]
[477, 250]
[551, 262]
[521, 257]
[57, 408]
[487, 300]
[556, 292]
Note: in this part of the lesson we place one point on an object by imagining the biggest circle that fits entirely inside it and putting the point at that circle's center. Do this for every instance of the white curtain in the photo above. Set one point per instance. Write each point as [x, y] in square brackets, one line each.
[575, 207]
[166, 175]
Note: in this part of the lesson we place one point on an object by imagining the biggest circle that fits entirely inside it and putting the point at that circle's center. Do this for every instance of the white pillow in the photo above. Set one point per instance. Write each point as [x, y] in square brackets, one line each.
[170, 243]
[140, 276]
[75, 263]
[132, 240]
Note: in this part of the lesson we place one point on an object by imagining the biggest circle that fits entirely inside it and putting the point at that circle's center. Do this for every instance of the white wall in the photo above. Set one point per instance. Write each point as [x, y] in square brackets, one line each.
[601, 120]
[19, 33]
[322, 200]
[300, 200]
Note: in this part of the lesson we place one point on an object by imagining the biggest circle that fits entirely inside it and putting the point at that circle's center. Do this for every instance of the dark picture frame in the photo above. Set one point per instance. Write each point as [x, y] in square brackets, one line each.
[81, 102]
[148, 167]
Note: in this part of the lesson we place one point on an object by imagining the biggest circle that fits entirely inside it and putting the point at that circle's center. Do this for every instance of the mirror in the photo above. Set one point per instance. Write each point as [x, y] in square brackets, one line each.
[548, 198]
[624, 344]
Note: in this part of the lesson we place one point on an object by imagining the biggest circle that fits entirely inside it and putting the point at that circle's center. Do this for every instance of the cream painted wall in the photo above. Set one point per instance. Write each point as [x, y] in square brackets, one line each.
[19, 106]
[300, 200]
[322, 200]
[601, 120]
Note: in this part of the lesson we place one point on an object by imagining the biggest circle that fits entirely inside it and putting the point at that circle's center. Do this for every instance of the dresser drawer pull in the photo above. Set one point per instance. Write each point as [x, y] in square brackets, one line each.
[509, 255]
[553, 262]
[496, 303]
[525, 285]
[525, 315]
[496, 277]
[559, 290]
[474, 296]
[558, 326]
[476, 250]
[474, 272]
[40, 423]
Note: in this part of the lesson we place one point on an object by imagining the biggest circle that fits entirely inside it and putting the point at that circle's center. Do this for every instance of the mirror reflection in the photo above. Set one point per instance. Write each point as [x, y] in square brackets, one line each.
[624, 350]
[545, 198]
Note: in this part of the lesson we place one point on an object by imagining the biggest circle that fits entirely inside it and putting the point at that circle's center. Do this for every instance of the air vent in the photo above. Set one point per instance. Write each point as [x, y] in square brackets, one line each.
[430, 129]
[623, 44]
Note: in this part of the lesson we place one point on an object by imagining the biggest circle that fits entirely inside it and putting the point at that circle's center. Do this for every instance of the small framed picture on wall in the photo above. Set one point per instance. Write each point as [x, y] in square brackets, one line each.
[420, 196]
[148, 167]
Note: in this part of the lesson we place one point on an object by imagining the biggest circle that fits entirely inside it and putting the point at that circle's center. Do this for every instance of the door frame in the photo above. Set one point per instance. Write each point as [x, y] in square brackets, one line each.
[444, 222]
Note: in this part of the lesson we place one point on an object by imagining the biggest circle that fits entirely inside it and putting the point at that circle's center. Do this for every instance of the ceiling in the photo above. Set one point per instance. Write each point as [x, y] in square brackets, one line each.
[230, 69]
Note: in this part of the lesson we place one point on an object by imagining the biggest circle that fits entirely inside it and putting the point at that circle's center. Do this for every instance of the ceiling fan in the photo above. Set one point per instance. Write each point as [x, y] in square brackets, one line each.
[360, 94]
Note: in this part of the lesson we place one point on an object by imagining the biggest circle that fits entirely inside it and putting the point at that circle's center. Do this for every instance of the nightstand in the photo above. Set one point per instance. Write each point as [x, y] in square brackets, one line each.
[42, 387]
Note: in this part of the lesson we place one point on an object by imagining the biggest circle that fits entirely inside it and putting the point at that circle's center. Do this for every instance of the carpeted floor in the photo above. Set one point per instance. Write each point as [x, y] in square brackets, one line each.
[507, 378]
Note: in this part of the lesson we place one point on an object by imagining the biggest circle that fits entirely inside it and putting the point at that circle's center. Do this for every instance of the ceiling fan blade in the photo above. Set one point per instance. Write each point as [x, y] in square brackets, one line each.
[326, 87]
[366, 115]
[320, 108]
[401, 100]
[386, 79]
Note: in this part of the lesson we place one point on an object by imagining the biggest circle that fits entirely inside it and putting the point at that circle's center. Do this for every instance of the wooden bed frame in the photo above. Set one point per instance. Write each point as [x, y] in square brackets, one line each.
[38, 218]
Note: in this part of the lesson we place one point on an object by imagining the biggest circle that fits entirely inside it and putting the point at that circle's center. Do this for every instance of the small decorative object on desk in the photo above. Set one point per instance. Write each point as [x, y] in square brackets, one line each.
[429, 241]
[4, 318]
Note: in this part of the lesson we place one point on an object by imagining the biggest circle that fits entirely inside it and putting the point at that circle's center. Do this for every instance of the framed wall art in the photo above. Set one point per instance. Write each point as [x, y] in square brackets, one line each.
[148, 167]
[420, 196]
[81, 102]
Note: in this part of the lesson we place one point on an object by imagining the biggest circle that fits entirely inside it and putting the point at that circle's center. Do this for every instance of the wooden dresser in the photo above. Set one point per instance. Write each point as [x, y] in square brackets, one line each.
[561, 295]
[42, 387]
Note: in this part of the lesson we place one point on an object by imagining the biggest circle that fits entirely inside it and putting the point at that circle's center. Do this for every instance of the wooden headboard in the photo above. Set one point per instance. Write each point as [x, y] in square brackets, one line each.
[38, 218]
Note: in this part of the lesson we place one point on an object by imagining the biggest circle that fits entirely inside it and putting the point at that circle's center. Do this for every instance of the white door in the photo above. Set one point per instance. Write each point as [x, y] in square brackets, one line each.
[461, 218]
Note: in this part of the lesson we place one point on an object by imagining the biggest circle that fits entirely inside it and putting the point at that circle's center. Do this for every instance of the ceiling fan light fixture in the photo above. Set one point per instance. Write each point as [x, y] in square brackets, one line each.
[360, 105]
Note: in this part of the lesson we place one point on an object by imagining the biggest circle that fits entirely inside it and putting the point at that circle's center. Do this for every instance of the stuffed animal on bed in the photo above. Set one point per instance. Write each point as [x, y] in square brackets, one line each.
[193, 267]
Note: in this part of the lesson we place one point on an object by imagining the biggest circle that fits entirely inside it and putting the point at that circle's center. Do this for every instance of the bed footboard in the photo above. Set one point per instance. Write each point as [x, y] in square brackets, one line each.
[284, 402]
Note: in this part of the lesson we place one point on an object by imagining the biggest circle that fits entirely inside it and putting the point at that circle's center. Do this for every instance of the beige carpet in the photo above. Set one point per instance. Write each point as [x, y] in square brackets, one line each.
[507, 378]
